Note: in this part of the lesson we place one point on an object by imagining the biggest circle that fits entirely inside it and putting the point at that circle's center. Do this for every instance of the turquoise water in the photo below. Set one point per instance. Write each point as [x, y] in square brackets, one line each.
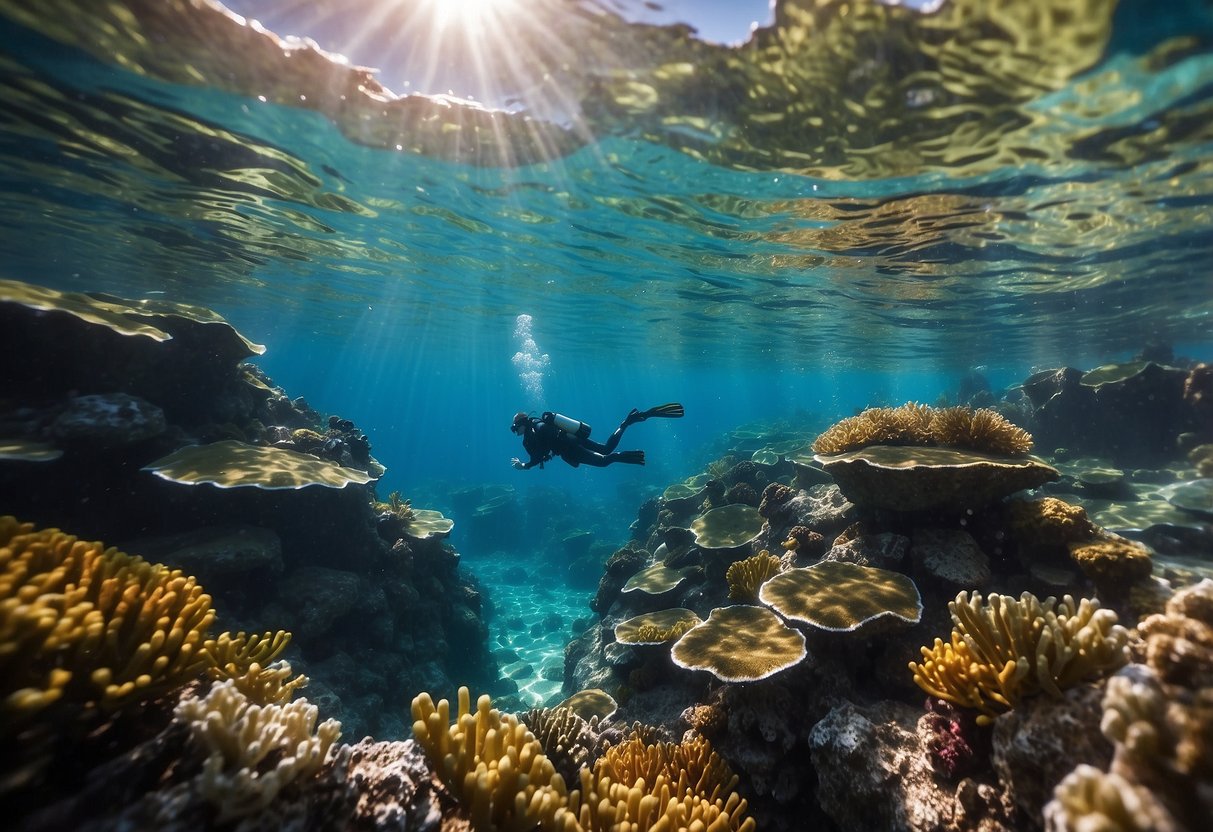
[1072, 228]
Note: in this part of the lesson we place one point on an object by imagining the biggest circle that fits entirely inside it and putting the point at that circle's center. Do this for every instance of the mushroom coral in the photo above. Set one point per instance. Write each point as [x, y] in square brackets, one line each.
[918, 424]
[1005, 649]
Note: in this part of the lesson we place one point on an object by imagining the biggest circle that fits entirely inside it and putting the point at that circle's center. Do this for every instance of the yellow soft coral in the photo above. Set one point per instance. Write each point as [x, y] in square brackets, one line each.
[249, 661]
[90, 624]
[746, 576]
[1007, 649]
[918, 424]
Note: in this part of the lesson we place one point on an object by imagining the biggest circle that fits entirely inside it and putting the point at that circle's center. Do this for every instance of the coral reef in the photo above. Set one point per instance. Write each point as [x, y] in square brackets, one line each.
[254, 750]
[1007, 649]
[746, 576]
[774, 497]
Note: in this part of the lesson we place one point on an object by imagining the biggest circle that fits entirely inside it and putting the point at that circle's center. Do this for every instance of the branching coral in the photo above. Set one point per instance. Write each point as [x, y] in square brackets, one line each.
[91, 625]
[504, 780]
[660, 786]
[1007, 649]
[491, 762]
[746, 576]
[1089, 799]
[917, 424]
[254, 751]
[568, 740]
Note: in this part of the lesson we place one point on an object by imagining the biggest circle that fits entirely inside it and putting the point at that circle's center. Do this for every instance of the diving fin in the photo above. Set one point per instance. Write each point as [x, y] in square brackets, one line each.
[632, 457]
[673, 410]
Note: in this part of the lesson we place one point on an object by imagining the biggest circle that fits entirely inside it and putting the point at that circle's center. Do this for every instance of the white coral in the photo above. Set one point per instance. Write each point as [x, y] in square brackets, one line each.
[253, 750]
[1089, 800]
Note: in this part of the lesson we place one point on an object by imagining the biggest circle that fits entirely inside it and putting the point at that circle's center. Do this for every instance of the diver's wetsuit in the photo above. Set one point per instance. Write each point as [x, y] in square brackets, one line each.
[544, 440]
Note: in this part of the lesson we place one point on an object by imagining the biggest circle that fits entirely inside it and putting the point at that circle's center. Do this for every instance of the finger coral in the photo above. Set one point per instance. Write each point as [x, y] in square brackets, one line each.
[568, 740]
[1006, 649]
[1089, 799]
[917, 424]
[660, 786]
[253, 751]
[493, 764]
[91, 625]
[746, 576]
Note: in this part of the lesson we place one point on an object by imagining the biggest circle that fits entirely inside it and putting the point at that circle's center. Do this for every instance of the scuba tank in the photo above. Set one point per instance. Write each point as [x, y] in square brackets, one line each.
[579, 429]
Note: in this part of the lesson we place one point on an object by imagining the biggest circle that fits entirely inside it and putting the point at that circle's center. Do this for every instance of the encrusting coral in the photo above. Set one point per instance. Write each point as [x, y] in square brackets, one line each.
[1006, 649]
[746, 576]
[918, 424]
[92, 625]
[1113, 564]
[253, 751]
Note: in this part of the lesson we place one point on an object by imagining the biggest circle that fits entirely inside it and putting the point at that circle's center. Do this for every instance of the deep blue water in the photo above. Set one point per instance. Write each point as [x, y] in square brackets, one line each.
[726, 275]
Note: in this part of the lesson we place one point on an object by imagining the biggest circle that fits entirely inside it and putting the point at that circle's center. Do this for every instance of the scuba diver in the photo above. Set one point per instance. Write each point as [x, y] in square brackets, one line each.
[555, 435]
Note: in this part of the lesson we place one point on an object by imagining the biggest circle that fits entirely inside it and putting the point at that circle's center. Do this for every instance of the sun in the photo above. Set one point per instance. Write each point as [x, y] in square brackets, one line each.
[469, 14]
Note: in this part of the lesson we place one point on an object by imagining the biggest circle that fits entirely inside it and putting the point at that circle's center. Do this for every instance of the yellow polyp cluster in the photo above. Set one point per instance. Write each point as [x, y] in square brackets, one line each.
[746, 576]
[249, 661]
[1007, 649]
[505, 782]
[919, 424]
[90, 624]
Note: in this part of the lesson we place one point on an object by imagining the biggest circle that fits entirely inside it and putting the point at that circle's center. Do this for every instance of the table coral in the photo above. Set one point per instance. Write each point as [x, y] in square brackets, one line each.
[842, 597]
[91, 625]
[1006, 649]
[746, 576]
[656, 627]
[740, 644]
[254, 751]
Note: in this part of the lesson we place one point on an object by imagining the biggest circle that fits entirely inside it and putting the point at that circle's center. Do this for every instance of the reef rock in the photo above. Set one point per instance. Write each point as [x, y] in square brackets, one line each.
[950, 557]
[1038, 743]
[874, 772]
[108, 420]
[884, 551]
[319, 596]
[213, 551]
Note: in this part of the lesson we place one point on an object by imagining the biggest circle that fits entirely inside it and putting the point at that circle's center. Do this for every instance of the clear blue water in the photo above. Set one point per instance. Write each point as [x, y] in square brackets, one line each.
[1067, 224]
